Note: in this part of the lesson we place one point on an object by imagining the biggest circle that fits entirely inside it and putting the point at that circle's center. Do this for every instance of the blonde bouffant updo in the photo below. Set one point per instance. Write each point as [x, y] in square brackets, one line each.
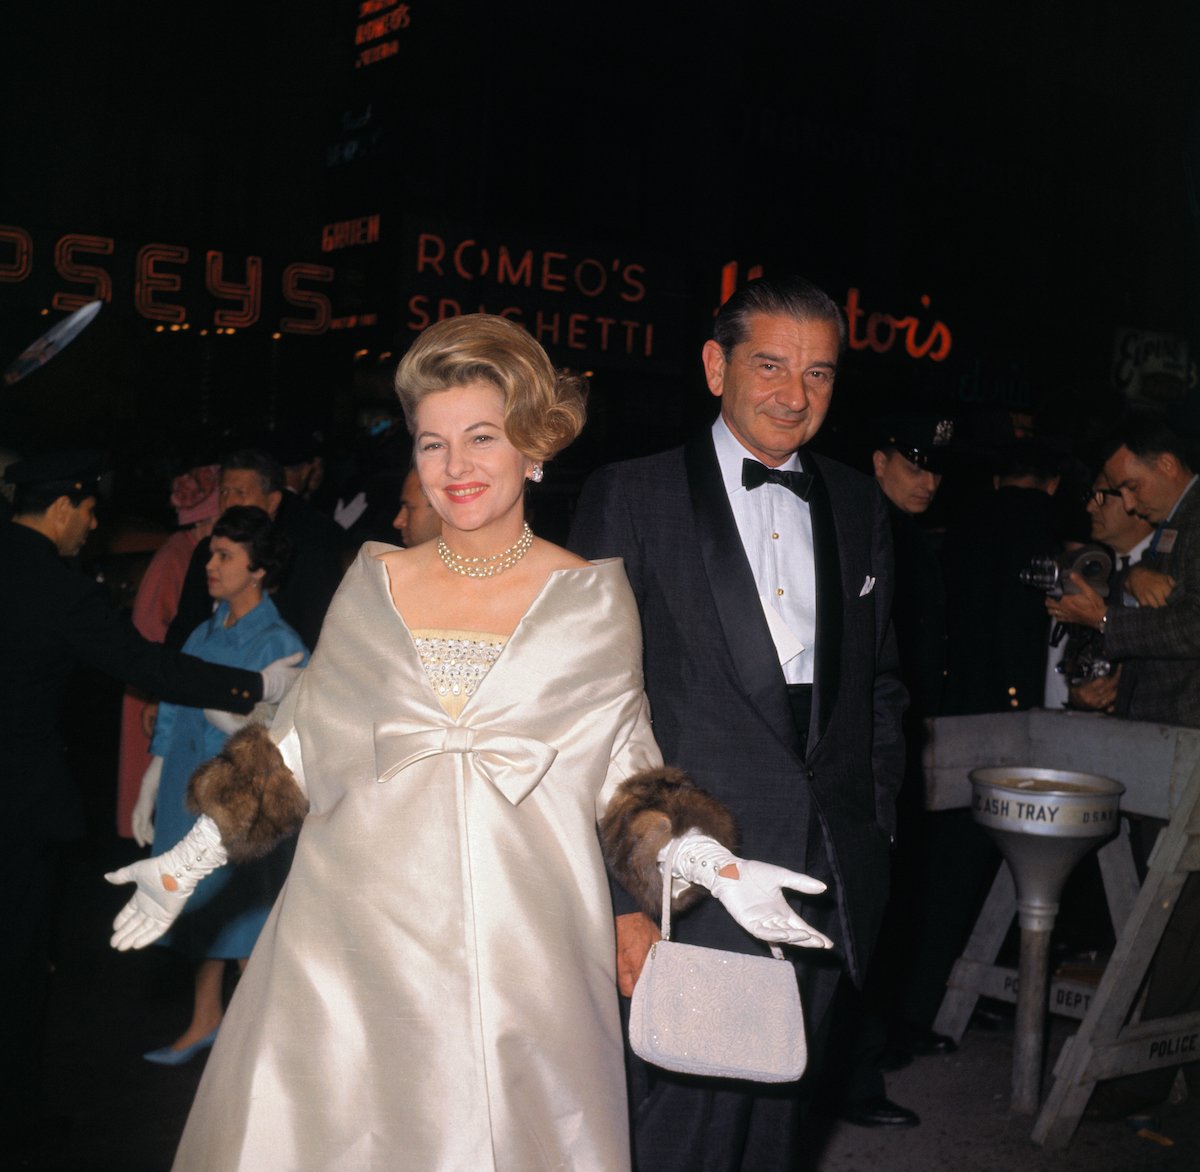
[543, 410]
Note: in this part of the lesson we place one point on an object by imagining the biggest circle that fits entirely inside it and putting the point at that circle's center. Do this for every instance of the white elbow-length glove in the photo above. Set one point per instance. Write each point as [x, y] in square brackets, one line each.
[164, 884]
[143, 809]
[280, 675]
[755, 898]
[231, 722]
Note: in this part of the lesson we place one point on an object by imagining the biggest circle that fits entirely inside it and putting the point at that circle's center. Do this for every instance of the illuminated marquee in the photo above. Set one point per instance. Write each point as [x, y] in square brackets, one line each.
[584, 302]
[162, 280]
[349, 233]
[377, 22]
[879, 332]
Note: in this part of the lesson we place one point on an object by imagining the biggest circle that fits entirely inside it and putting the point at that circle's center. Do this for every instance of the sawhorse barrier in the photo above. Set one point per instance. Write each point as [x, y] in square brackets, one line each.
[1160, 767]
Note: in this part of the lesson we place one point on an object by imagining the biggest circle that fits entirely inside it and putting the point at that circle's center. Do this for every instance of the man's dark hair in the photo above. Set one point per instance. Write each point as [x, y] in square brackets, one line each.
[32, 500]
[267, 468]
[1147, 436]
[267, 548]
[786, 297]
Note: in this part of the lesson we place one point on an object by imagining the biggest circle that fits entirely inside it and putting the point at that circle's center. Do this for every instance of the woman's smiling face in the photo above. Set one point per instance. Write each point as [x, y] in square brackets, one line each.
[469, 469]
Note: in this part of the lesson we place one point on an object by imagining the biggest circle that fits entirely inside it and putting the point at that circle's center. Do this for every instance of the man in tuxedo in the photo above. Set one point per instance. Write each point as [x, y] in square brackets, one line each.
[763, 574]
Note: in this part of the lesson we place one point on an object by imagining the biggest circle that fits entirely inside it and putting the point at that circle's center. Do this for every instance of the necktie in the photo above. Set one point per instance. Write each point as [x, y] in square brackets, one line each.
[754, 474]
[1124, 561]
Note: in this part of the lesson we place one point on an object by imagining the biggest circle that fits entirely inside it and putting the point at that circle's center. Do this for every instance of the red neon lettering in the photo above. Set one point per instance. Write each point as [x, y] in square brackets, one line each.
[318, 303]
[459, 267]
[873, 339]
[542, 326]
[98, 278]
[420, 315]
[553, 282]
[248, 294]
[21, 264]
[522, 274]
[601, 280]
[637, 290]
[576, 324]
[149, 280]
[853, 313]
[432, 258]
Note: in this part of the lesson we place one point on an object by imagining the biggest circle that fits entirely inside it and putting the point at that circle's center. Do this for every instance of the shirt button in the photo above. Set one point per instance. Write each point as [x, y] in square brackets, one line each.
[774, 536]
[779, 591]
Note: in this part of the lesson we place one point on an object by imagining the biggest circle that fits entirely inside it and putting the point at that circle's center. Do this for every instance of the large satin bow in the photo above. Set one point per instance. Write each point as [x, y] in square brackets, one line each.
[514, 764]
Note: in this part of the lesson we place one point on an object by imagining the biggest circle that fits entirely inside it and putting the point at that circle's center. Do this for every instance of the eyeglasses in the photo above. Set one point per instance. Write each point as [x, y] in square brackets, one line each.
[1097, 495]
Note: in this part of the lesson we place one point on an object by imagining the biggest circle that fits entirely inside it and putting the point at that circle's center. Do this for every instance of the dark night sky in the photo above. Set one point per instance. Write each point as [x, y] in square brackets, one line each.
[1024, 166]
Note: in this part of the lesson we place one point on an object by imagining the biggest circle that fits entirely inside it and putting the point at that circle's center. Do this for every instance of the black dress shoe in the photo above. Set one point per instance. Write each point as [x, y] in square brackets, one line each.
[922, 1045]
[879, 1111]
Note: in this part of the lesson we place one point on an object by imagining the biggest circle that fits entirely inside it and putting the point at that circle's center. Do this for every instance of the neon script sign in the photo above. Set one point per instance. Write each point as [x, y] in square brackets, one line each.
[879, 332]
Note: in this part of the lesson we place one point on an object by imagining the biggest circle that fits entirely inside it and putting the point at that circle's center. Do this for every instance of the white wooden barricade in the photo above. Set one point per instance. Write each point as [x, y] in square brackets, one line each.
[1160, 768]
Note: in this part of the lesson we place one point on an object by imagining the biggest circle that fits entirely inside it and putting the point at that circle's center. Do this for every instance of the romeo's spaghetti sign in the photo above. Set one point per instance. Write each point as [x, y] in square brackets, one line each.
[603, 305]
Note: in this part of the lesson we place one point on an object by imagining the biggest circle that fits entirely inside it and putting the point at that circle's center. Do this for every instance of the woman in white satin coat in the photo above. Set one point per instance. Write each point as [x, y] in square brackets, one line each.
[435, 988]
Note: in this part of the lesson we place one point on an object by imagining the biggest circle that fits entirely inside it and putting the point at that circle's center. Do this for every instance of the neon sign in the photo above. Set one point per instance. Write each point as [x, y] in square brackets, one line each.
[880, 332]
[377, 21]
[590, 302]
[163, 277]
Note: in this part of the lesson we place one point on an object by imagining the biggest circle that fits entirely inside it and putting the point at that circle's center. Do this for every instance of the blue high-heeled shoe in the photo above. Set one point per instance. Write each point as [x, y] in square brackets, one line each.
[165, 1056]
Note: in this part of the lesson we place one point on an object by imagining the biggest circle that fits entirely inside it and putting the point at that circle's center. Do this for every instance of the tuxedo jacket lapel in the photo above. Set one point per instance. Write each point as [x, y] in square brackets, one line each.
[734, 593]
[827, 669]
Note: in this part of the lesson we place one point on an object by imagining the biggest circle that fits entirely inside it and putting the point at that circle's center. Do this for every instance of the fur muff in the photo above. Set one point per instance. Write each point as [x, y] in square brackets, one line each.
[647, 811]
[250, 794]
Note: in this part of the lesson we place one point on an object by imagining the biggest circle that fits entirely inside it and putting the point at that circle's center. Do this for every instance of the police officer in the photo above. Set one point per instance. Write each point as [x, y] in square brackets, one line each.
[53, 618]
[908, 458]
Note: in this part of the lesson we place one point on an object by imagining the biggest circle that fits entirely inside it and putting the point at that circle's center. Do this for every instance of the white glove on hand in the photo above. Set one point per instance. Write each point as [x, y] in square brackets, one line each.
[277, 677]
[143, 808]
[164, 884]
[226, 722]
[755, 898]
[230, 722]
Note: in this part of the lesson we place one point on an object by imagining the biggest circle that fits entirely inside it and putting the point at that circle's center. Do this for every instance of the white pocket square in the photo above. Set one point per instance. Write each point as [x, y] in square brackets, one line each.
[868, 586]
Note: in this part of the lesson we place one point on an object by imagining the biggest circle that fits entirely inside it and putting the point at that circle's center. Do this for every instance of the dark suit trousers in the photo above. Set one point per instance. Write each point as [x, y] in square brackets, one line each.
[685, 1124]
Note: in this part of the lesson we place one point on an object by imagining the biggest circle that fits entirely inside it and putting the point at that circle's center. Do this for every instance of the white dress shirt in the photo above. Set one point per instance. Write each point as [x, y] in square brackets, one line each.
[775, 526]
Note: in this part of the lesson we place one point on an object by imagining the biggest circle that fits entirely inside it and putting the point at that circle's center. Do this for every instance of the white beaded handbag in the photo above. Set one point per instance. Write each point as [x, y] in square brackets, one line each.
[716, 1013]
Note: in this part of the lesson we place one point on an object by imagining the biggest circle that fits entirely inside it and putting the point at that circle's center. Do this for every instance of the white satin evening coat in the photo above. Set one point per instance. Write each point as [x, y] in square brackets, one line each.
[435, 987]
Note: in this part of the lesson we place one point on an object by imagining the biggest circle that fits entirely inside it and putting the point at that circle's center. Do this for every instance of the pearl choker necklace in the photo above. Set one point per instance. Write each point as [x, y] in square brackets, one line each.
[487, 567]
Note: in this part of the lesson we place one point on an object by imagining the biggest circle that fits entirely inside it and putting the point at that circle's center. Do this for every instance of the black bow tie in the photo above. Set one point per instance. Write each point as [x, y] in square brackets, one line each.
[754, 474]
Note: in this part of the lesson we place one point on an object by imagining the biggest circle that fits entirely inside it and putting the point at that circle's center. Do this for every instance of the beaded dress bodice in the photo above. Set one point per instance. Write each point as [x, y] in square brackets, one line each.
[456, 662]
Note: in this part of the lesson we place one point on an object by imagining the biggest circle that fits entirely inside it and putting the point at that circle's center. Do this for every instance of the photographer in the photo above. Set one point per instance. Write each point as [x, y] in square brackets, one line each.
[1087, 678]
[1156, 645]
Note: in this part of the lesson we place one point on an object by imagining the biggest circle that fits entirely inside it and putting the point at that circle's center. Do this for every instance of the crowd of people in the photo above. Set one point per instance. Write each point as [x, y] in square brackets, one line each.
[435, 848]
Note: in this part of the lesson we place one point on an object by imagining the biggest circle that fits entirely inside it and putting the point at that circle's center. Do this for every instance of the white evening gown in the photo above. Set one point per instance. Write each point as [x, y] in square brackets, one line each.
[435, 986]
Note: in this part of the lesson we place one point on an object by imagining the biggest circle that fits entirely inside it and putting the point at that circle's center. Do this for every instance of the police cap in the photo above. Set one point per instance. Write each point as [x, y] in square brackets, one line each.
[67, 472]
[925, 440]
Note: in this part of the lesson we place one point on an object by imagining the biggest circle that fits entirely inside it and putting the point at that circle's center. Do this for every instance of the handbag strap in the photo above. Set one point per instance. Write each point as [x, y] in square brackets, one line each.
[668, 870]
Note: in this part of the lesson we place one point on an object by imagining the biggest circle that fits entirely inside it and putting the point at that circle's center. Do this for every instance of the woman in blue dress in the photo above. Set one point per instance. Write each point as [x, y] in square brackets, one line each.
[245, 630]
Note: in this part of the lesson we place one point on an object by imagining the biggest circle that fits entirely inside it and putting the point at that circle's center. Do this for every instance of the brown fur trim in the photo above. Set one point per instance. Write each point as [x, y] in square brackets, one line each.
[647, 811]
[249, 793]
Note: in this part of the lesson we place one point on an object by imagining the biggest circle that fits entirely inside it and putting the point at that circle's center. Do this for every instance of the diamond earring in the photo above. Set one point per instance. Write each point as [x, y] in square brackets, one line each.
[537, 474]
